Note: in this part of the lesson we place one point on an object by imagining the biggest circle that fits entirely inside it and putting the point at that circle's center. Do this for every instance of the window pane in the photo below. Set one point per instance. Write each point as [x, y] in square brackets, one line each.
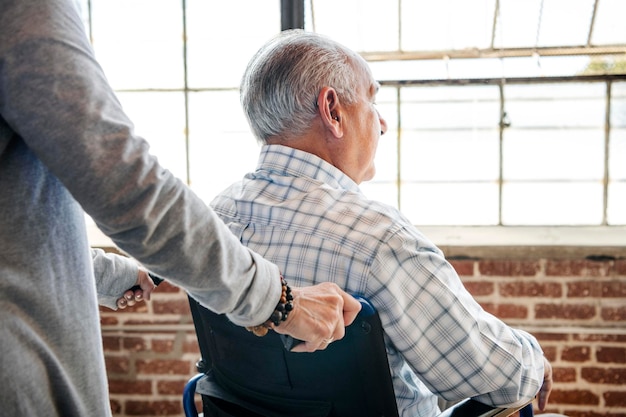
[385, 192]
[617, 203]
[407, 70]
[450, 107]
[223, 36]
[450, 133]
[617, 155]
[563, 154]
[160, 119]
[517, 24]
[616, 206]
[547, 203]
[429, 25]
[362, 25]
[222, 149]
[450, 204]
[450, 155]
[609, 28]
[618, 105]
[570, 30]
[556, 105]
[136, 51]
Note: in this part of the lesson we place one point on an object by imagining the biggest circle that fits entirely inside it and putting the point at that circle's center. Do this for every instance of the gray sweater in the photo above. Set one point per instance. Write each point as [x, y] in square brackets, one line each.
[67, 146]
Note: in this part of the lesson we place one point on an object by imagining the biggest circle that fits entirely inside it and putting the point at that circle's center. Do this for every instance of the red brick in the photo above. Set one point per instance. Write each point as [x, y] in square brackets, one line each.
[511, 311]
[488, 307]
[613, 313]
[615, 399]
[550, 353]
[576, 354]
[463, 267]
[530, 289]
[543, 336]
[620, 338]
[575, 396]
[107, 320]
[611, 354]
[563, 374]
[171, 387]
[508, 268]
[116, 406]
[163, 346]
[608, 289]
[613, 289]
[620, 267]
[111, 343]
[117, 386]
[164, 366]
[191, 346]
[134, 344]
[171, 307]
[506, 311]
[584, 289]
[157, 320]
[604, 376]
[577, 267]
[153, 408]
[117, 365]
[478, 288]
[565, 311]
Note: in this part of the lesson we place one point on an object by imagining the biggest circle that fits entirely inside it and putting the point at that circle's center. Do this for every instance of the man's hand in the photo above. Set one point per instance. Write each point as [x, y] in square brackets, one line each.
[320, 315]
[546, 387]
[135, 295]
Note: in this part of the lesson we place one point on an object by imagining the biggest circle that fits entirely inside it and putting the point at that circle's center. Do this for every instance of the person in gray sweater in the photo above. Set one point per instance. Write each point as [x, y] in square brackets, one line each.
[67, 147]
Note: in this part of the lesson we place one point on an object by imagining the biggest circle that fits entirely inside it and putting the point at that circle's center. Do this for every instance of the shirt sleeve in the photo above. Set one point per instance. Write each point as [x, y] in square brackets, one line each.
[55, 96]
[456, 349]
[114, 274]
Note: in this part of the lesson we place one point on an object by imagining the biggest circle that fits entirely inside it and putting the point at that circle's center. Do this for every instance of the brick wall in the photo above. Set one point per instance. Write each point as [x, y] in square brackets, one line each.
[150, 353]
[576, 307]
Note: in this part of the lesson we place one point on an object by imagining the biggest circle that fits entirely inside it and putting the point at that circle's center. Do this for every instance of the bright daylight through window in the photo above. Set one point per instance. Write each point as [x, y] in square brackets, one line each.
[500, 112]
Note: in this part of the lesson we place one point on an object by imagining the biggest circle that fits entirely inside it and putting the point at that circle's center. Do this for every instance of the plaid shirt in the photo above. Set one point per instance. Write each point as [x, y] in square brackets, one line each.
[312, 220]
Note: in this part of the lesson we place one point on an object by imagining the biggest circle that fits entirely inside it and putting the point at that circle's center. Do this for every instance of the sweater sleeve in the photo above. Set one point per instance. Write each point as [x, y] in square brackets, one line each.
[55, 96]
[114, 274]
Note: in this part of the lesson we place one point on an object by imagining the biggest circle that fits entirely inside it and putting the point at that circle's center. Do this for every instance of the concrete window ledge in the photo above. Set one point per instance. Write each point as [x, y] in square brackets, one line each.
[489, 242]
[493, 242]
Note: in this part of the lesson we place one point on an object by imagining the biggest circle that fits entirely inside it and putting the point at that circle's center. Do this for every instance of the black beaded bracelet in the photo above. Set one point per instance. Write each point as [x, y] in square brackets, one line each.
[280, 314]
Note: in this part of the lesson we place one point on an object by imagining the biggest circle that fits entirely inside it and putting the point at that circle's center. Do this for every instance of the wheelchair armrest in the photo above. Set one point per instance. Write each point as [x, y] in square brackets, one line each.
[473, 408]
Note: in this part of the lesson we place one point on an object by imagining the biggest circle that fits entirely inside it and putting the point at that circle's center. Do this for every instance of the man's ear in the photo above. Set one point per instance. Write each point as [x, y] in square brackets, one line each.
[329, 110]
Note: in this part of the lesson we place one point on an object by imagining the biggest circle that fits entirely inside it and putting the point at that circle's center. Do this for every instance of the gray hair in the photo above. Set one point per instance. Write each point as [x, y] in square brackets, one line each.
[280, 86]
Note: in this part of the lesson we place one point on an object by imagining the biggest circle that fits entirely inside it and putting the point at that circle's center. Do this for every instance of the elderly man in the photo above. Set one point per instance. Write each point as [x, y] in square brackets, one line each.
[311, 102]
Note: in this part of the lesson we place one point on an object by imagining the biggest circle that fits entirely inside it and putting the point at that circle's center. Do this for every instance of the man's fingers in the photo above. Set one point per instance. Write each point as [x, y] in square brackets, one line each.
[351, 308]
[122, 303]
[313, 346]
[130, 298]
[544, 394]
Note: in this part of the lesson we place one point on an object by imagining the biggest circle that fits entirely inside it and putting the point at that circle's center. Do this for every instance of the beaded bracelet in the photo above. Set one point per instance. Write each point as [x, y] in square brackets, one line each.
[284, 306]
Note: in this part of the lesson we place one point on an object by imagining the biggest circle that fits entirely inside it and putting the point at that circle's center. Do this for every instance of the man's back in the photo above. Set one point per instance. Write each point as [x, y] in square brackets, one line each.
[311, 220]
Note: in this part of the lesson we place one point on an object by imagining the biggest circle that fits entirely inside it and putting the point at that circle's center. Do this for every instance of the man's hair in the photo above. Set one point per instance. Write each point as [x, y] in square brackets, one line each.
[280, 86]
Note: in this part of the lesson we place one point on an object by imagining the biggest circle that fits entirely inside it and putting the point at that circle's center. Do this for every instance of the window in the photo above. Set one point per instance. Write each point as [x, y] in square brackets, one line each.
[176, 71]
[497, 114]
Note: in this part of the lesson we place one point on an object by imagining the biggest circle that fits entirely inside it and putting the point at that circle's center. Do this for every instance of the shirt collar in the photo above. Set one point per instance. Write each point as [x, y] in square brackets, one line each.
[286, 161]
